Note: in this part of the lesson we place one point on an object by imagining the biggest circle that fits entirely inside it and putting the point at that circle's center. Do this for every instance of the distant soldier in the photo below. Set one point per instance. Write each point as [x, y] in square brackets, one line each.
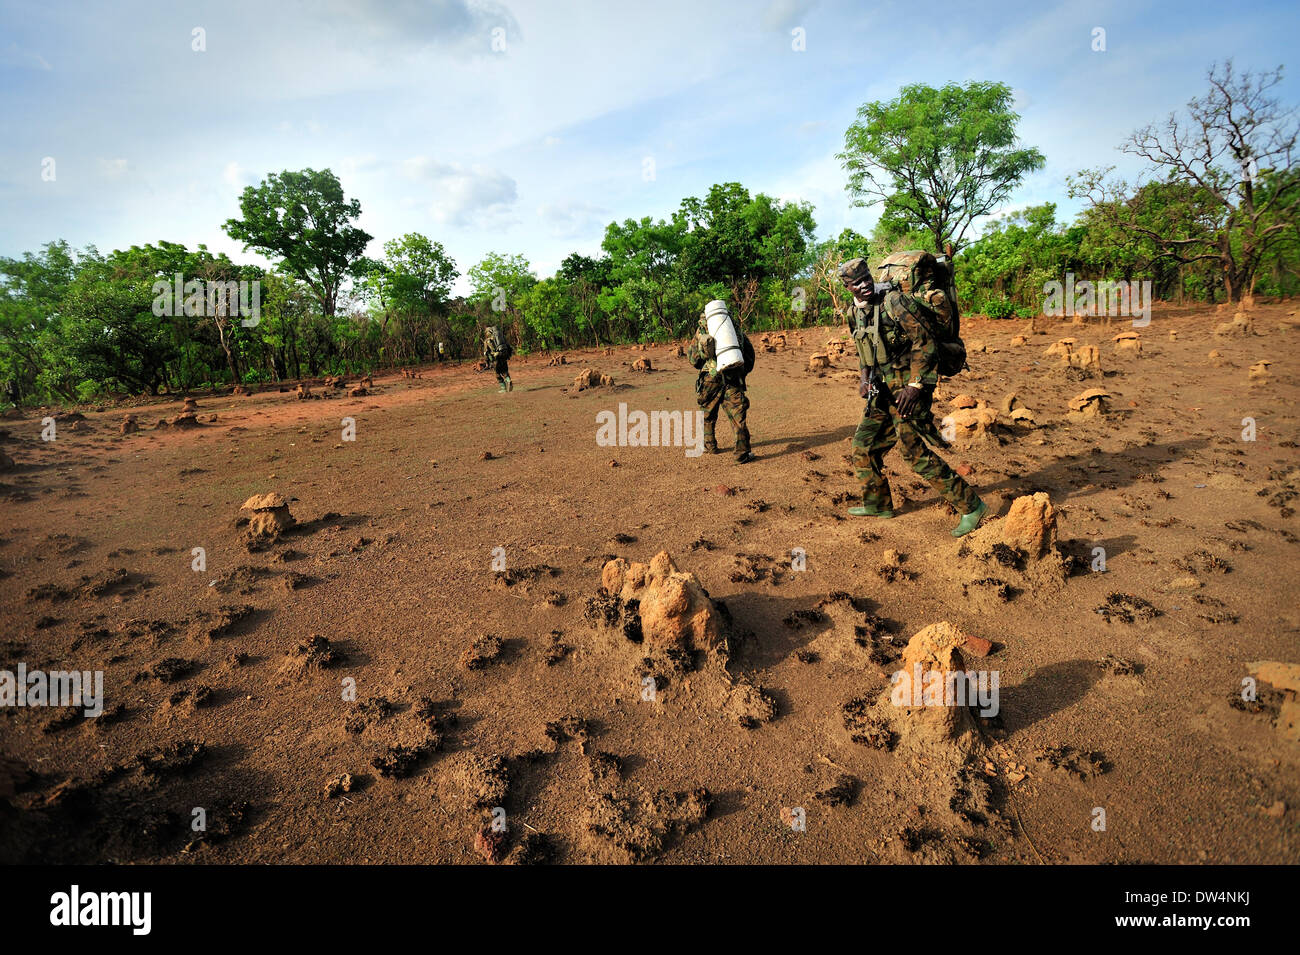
[724, 390]
[899, 359]
[496, 353]
[442, 351]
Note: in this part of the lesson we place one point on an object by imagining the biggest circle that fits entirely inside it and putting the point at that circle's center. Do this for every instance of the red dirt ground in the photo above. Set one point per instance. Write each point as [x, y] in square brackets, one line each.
[392, 562]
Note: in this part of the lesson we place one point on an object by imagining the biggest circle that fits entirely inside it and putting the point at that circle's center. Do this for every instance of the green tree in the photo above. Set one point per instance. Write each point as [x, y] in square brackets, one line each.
[741, 241]
[218, 321]
[418, 274]
[587, 278]
[31, 293]
[550, 312]
[111, 335]
[412, 282]
[500, 277]
[286, 309]
[1232, 156]
[303, 219]
[937, 158]
[647, 291]
[500, 283]
[1004, 271]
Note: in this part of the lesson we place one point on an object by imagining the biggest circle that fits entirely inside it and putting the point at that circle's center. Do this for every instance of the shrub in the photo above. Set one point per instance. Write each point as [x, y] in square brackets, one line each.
[998, 308]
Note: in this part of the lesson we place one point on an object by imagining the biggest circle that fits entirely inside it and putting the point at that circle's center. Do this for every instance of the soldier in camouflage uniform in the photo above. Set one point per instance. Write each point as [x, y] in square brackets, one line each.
[898, 358]
[496, 353]
[716, 390]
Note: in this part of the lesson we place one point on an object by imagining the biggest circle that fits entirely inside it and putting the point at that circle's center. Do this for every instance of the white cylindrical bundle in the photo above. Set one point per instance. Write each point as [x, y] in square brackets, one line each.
[723, 330]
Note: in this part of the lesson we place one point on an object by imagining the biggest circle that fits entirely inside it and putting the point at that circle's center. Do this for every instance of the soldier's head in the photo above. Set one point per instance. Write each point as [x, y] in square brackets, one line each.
[856, 276]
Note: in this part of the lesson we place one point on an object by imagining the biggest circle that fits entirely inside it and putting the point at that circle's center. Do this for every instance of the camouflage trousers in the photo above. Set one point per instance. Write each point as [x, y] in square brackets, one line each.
[721, 392]
[880, 429]
[502, 369]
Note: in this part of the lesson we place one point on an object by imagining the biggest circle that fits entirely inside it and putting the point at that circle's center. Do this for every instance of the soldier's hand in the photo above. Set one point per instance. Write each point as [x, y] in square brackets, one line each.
[864, 383]
[909, 399]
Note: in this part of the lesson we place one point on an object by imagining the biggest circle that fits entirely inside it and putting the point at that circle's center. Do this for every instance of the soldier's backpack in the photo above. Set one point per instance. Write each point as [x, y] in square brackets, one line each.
[923, 274]
[496, 344]
[747, 350]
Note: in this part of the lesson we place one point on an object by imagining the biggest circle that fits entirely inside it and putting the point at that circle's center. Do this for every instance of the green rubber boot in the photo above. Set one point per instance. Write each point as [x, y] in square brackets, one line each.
[863, 511]
[510, 385]
[970, 521]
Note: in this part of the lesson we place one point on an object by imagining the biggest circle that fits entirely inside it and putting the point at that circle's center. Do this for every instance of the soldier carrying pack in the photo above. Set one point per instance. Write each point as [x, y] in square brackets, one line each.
[907, 330]
[929, 279]
[496, 354]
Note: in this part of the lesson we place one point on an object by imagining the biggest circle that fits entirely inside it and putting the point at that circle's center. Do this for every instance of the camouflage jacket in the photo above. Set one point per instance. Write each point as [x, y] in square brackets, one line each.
[903, 337]
[496, 347]
[703, 353]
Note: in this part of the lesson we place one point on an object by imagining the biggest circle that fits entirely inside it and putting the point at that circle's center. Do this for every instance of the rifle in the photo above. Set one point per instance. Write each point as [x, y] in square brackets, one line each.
[874, 389]
[880, 289]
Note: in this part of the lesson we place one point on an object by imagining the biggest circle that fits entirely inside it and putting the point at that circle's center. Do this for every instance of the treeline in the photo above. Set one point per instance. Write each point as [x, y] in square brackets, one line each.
[1210, 223]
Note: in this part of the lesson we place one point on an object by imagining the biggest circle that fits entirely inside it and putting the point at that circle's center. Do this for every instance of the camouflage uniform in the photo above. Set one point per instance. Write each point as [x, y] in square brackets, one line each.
[502, 367]
[716, 390]
[904, 352]
[499, 359]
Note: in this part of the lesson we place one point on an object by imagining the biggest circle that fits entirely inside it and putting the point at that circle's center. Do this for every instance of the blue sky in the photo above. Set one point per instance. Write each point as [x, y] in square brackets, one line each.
[534, 148]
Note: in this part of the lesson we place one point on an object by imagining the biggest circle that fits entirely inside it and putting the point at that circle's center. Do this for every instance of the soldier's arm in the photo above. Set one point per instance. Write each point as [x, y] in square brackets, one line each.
[693, 354]
[923, 361]
[936, 302]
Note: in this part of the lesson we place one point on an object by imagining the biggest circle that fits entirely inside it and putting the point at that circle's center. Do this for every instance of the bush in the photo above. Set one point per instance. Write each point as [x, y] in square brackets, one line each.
[998, 308]
[87, 390]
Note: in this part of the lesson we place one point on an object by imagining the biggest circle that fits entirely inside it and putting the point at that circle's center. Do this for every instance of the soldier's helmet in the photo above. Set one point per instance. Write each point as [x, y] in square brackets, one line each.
[855, 270]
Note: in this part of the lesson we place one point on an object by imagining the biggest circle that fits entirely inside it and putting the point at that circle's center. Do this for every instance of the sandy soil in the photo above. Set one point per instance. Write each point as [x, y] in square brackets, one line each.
[477, 689]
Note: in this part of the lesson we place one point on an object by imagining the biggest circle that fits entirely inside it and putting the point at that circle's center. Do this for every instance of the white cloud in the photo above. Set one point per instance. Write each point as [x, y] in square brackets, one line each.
[302, 127]
[112, 168]
[237, 176]
[355, 165]
[573, 218]
[785, 14]
[11, 56]
[584, 91]
[419, 22]
[821, 182]
[464, 195]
